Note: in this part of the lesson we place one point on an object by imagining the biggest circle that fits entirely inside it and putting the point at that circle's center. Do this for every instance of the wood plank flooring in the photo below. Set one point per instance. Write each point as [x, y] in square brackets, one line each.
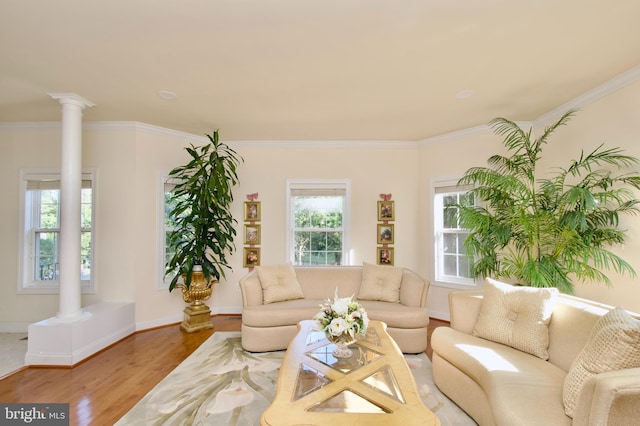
[104, 387]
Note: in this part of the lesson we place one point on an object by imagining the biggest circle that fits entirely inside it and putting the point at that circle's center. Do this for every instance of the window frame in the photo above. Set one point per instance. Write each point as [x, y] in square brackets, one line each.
[439, 279]
[27, 284]
[319, 185]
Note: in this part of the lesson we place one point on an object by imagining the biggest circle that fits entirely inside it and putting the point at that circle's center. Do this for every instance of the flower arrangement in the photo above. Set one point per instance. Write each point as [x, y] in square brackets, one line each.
[342, 317]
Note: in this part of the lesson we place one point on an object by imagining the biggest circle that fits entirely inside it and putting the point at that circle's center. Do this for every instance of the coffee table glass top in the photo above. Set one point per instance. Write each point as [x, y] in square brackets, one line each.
[310, 379]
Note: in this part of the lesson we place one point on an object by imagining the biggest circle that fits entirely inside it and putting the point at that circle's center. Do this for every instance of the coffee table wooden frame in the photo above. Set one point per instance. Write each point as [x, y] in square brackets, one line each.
[287, 410]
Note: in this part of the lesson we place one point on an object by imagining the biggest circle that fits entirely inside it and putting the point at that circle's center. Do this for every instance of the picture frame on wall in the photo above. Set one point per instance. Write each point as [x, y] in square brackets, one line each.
[385, 233]
[251, 256]
[252, 234]
[252, 211]
[386, 211]
[385, 256]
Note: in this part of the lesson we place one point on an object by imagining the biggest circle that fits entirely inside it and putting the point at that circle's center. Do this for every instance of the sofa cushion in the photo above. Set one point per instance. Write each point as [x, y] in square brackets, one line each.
[381, 283]
[279, 283]
[614, 344]
[522, 389]
[289, 312]
[396, 315]
[516, 316]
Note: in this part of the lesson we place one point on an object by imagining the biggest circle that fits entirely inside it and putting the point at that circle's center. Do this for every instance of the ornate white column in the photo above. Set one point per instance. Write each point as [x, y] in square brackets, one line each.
[70, 204]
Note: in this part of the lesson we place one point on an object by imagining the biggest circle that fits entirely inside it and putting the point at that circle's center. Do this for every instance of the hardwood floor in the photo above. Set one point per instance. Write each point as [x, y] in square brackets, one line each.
[104, 387]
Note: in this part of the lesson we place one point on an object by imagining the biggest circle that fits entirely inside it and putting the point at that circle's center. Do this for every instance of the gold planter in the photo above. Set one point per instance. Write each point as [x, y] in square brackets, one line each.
[197, 316]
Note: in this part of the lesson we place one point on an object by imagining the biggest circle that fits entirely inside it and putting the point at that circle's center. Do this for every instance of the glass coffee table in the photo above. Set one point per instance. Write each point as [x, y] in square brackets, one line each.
[372, 387]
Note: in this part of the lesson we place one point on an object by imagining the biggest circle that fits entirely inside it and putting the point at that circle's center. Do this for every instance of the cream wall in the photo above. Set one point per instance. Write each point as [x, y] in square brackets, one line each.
[614, 121]
[131, 158]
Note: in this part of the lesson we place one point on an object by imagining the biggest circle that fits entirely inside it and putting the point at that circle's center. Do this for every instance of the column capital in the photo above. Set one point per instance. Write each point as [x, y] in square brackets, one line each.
[71, 99]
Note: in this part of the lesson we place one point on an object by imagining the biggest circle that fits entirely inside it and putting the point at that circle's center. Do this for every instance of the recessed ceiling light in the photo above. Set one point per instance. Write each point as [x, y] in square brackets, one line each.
[165, 94]
[464, 94]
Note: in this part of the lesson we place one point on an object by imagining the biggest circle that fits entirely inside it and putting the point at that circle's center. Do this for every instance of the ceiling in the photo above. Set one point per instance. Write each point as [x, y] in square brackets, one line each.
[311, 69]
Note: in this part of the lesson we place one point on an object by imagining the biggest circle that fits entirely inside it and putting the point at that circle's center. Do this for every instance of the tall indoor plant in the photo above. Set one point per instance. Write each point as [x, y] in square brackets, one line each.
[544, 228]
[204, 228]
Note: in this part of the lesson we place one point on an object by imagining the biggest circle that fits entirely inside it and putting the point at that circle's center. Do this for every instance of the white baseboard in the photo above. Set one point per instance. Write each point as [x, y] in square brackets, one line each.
[14, 327]
[441, 315]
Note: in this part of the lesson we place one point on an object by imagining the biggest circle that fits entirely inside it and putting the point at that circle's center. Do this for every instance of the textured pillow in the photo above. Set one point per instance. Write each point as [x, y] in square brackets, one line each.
[516, 316]
[613, 344]
[380, 283]
[279, 283]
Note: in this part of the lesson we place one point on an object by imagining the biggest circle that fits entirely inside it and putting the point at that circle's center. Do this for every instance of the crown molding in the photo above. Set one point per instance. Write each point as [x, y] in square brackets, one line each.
[471, 131]
[325, 144]
[605, 89]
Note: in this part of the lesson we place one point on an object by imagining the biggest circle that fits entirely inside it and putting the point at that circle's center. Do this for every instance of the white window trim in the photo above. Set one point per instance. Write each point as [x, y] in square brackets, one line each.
[345, 184]
[25, 284]
[434, 216]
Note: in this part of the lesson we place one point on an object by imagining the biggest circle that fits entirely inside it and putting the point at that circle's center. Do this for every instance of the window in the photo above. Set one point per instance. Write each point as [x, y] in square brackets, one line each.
[41, 225]
[167, 228]
[318, 222]
[452, 265]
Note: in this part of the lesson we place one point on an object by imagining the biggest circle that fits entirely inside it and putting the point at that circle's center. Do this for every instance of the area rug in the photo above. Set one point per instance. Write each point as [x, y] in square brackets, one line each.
[221, 384]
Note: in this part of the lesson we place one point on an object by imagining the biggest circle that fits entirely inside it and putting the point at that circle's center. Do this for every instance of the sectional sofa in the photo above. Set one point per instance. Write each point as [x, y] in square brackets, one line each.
[519, 356]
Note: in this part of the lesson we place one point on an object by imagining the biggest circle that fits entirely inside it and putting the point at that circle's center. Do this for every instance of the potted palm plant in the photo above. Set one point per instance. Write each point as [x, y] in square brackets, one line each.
[542, 232]
[204, 228]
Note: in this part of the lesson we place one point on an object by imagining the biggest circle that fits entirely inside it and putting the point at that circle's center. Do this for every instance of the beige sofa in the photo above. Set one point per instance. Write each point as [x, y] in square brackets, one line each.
[499, 385]
[271, 326]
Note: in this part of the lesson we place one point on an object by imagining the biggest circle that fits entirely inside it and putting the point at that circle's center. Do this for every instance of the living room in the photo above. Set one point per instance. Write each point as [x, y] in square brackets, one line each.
[131, 158]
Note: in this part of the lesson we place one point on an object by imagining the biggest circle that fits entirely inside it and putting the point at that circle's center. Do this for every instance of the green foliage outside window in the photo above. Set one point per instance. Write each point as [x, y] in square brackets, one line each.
[318, 230]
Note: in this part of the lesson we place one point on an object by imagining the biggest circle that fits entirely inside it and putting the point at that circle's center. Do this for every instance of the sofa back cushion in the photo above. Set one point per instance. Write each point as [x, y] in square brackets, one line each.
[572, 320]
[320, 282]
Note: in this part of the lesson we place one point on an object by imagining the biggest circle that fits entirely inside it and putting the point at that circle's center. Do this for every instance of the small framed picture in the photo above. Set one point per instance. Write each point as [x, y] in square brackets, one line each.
[251, 257]
[385, 233]
[251, 234]
[386, 211]
[385, 256]
[252, 211]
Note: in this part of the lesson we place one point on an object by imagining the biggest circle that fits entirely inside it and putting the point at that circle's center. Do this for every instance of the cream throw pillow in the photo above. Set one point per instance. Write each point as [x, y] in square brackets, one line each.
[516, 316]
[613, 344]
[279, 283]
[380, 283]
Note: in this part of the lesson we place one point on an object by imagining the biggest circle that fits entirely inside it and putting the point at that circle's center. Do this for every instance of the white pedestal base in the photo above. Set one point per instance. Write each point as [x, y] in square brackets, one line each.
[69, 341]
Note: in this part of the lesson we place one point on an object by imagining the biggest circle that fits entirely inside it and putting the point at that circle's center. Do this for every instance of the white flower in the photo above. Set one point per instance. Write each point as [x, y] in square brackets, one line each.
[337, 326]
[341, 306]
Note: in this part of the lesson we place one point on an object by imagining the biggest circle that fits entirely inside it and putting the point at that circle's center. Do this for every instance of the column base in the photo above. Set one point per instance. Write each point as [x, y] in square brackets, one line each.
[196, 318]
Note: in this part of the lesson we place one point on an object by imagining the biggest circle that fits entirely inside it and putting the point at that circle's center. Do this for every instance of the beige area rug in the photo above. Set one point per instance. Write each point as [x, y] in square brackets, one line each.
[221, 384]
[13, 348]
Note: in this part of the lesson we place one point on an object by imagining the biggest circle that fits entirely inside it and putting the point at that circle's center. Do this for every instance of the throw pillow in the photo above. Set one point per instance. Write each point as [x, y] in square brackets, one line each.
[380, 283]
[279, 283]
[516, 316]
[613, 344]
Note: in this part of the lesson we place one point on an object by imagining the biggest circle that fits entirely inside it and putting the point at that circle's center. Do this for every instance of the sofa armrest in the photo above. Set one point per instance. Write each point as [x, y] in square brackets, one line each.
[610, 398]
[464, 307]
[413, 289]
[251, 290]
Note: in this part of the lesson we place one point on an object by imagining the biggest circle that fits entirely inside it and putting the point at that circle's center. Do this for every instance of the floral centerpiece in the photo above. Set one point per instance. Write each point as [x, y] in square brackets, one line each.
[342, 320]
